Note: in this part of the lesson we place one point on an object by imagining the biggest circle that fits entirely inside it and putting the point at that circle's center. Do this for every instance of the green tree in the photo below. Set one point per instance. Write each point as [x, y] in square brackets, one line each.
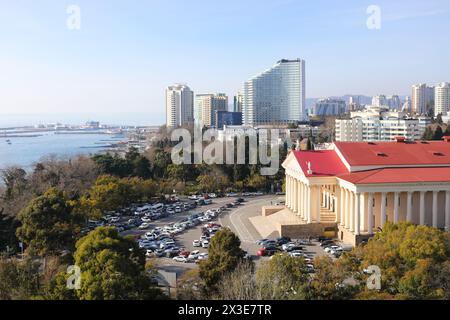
[257, 182]
[19, 280]
[224, 254]
[15, 182]
[418, 283]
[112, 268]
[47, 224]
[329, 281]
[309, 144]
[438, 134]
[161, 162]
[212, 182]
[407, 255]
[141, 168]
[282, 277]
[176, 172]
[108, 164]
[8, 226]
[428, 134]
[110, 193]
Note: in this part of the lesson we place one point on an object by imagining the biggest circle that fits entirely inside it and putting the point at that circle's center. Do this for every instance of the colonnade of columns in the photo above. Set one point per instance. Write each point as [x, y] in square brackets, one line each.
[303, 199]
[357, 215]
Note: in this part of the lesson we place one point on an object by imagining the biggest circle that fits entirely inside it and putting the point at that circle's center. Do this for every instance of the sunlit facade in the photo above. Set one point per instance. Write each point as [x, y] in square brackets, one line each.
[276, 95]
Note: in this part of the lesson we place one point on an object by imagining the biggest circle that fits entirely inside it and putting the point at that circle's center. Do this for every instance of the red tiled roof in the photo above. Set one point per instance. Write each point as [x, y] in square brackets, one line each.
[323, 163]
[395, 153]
[399, 175]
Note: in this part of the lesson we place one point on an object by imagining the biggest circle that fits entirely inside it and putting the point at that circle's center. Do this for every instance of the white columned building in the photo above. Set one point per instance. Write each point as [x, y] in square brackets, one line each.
[360, 186]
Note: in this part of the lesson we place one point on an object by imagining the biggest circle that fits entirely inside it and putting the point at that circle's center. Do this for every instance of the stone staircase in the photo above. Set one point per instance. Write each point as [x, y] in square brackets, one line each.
[327, 216]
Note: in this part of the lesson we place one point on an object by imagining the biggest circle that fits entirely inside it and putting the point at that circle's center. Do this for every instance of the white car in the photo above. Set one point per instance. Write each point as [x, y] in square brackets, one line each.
[145, 225]
[180, 259]
[178, 230]
[286, 246]
[203, 256]
[149, 236]
[167, 243]
[296, 254]
[329, 249]
[196, 243]
[194, 255]
[149, 253]
[205, 244]
[192, 197]
[212, 195]
[231, 195]
[146, 219]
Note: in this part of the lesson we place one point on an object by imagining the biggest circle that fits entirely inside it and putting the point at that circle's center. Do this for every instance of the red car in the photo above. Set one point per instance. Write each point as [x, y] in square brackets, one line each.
[184, 253]
[263, 252]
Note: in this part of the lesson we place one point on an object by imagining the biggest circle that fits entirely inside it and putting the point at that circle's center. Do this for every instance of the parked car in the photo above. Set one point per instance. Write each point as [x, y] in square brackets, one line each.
[172, 251]
[194, 255]
[261, 242]
[327, 243]
[294, 248]
[269, 251]
[205, 244]
[181, 259]
[269, 244]
[145, 225]
[310, 268]
[297, 254]
[203, 256]
[196, 243]
[231, 195]
[167, 244]
[282, 240]
[330, 248]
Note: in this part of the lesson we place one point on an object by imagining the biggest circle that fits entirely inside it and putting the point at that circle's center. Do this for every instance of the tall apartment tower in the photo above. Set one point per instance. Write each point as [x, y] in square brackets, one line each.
[237, 105]
[276, 96]
[179, 105]
[206, 106]
[442, 99]
[422, 99]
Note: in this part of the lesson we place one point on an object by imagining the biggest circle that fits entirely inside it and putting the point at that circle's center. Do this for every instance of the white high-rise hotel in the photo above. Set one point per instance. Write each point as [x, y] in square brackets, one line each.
[179, 105]
[422, 98]
[276, 96]
[442, 99]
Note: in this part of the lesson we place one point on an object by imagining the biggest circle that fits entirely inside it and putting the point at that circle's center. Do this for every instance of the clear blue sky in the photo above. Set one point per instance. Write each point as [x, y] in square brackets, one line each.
[127, 52]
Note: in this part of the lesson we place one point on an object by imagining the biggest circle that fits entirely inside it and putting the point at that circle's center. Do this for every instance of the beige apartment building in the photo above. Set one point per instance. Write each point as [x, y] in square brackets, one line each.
[206, 106]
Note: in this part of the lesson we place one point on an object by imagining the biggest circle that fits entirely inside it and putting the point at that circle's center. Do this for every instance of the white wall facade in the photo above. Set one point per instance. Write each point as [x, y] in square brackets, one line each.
[179, 105]
[276, 95]
[442, 99]
[378, 124]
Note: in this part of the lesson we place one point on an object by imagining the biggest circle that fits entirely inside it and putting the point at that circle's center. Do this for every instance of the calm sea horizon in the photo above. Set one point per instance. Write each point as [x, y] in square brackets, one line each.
[24, 152]
[113, 119]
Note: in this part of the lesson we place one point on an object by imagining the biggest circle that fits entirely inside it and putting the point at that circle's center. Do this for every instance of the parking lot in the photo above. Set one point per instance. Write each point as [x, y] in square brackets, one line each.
[184, 239]
[169, 240]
